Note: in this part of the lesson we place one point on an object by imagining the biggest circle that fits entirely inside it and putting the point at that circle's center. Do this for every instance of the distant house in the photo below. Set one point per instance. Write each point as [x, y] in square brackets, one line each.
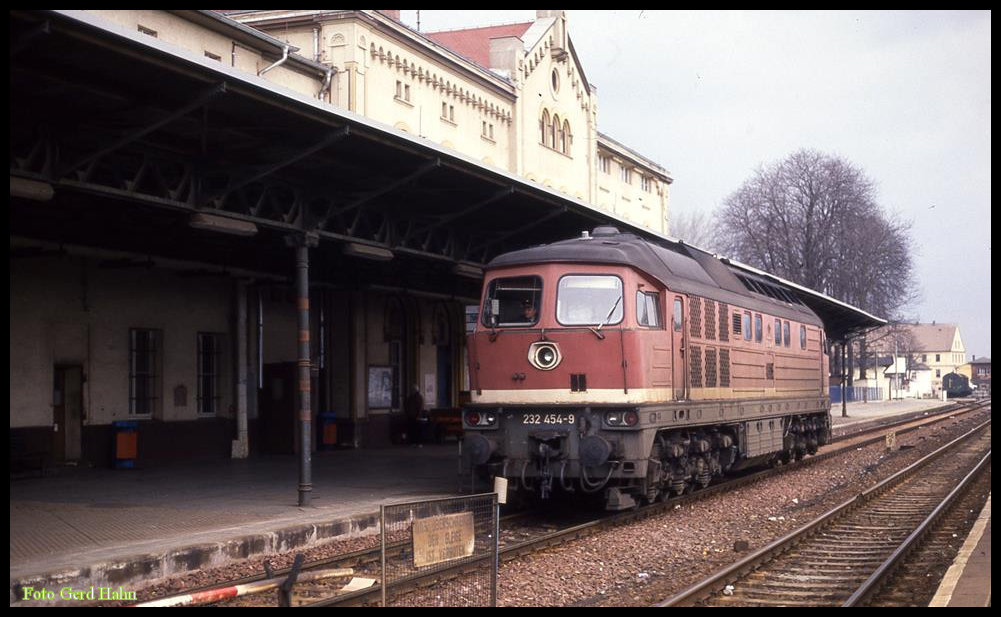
[980, 369]
[928, 352]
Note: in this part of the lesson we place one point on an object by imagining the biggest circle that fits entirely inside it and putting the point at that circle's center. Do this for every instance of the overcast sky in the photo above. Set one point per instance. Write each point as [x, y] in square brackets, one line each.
[903, 95]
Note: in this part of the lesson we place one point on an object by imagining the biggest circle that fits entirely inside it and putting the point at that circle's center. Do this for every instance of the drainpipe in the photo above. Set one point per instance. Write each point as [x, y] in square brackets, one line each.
[326, 83]
[285, 52]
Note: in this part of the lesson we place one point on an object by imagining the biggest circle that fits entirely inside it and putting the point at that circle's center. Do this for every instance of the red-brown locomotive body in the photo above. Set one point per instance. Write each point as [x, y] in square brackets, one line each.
[611, 365]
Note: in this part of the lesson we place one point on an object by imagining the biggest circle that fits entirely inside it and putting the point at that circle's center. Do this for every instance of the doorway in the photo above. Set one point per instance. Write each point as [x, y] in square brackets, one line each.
[67, 413]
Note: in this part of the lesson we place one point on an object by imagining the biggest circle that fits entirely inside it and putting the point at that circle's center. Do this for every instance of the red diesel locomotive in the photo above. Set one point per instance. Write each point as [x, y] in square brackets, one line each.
[615, 366]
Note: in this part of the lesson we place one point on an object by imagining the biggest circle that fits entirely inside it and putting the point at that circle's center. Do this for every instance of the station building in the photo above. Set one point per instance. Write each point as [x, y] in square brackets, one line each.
[211, 214]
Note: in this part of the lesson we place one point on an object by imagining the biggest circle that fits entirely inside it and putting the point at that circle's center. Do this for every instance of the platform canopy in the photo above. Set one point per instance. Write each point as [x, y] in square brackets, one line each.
[145, 147]
[122, 141]
[841, 320]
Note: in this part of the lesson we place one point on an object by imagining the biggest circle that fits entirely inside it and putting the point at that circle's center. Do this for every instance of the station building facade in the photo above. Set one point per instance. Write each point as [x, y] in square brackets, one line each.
[163, 326]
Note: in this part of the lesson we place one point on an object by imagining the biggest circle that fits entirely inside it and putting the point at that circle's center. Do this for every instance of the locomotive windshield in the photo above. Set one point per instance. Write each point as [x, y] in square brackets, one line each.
[589, 300]
[513, 301]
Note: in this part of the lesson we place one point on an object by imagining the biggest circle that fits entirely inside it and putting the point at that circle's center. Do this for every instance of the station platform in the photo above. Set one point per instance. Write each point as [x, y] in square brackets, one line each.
[861, 413]
[104, 527]
[126, 527]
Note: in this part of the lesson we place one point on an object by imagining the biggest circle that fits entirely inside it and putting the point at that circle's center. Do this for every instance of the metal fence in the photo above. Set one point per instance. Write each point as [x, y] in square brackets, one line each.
[441, 552]
[856, 394]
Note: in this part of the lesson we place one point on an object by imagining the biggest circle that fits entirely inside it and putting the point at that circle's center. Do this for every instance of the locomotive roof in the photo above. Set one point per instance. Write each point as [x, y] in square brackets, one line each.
[688, 269]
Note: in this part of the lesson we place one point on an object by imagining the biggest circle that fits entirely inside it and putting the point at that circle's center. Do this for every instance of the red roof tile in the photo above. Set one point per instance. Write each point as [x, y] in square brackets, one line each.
[474, 43]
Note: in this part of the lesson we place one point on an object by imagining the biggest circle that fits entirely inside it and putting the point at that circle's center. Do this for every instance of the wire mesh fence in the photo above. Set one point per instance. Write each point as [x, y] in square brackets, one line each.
[441, 552]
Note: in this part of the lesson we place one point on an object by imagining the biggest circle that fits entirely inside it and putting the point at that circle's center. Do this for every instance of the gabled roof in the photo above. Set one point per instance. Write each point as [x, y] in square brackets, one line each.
[474, 43]
[932, 336]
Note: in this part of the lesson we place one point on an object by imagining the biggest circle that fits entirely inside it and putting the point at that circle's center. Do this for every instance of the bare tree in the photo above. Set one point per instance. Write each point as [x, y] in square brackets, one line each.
[813, 219]
[694, 228]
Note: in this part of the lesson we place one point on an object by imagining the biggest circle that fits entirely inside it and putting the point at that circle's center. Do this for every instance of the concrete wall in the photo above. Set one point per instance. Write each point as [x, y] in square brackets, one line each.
[74, 311]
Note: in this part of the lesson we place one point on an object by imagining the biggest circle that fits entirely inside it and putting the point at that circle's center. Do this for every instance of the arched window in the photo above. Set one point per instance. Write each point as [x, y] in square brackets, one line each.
[544, 126]
[554, 130]
[567, 137]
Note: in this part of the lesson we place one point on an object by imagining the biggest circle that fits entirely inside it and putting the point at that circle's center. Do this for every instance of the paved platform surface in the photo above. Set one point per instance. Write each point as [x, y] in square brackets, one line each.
[109, 527]
[968, 581]
[80, 526]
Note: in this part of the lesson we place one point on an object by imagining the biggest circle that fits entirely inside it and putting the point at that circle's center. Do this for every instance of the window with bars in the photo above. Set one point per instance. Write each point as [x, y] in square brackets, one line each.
[209, 369]
[145, 348]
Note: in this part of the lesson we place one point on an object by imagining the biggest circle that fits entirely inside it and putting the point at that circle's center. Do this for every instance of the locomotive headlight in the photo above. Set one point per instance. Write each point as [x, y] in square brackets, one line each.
[622, 418]
[486, 419]
[544, 356]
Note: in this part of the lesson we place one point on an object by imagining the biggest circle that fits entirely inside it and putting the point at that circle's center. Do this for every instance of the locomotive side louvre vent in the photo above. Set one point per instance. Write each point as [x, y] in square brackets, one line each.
[724, 330]
[696, 366]
[710, 367]
[736, 325]
[724, 368]
[770, 371]
[710, 316]
[578, 382]
[695, 316]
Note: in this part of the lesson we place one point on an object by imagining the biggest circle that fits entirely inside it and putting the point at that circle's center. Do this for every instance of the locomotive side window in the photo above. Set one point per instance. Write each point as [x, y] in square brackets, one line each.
[802, 337]
[785, 332]
[677, 314]
[589, 300]
[648, 309]
[747, 326]
[757, 329]
[514, 301]
[778, 332]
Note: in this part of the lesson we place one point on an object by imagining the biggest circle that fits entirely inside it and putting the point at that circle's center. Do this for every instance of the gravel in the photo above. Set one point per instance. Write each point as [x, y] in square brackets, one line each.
[645, 562]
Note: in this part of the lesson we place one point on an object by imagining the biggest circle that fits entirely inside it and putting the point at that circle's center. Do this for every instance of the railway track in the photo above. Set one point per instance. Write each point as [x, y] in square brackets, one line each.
[520, 535]
[845, 556]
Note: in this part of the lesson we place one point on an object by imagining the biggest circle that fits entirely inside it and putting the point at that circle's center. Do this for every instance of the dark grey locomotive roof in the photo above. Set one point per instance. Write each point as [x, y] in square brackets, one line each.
[687, 269]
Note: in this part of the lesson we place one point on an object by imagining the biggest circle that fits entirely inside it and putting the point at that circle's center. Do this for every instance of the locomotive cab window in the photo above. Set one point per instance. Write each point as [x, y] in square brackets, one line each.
[589, 300]
[802, 337]
[648, 309]
[747, 326]
[513, 301]
[677, 314]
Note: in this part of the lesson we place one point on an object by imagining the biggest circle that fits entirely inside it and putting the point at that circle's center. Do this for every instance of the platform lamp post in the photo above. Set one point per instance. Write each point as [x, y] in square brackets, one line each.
[844, 377]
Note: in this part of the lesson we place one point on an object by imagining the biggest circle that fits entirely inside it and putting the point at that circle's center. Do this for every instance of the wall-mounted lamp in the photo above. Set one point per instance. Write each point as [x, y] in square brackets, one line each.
[366, 251]
[222, 224]
[30, 189]
[468, 271]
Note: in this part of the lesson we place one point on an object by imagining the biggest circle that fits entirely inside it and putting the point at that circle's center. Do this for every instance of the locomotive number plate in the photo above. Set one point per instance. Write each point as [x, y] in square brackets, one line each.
[548, 418]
